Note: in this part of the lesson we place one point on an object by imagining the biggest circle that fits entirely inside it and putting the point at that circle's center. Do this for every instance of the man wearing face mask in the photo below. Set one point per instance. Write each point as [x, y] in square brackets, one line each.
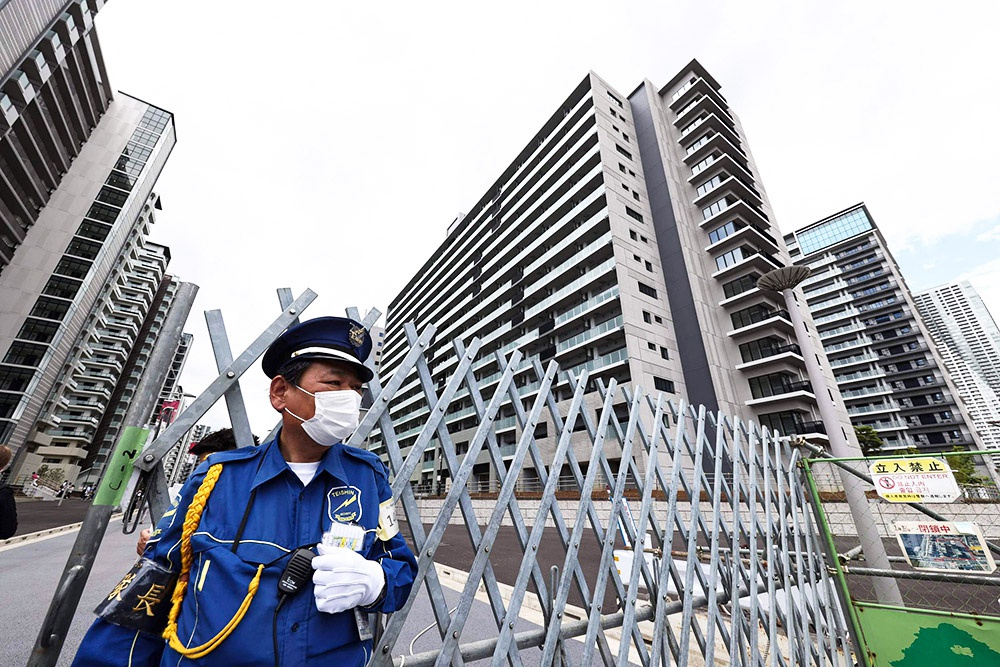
[243, 515]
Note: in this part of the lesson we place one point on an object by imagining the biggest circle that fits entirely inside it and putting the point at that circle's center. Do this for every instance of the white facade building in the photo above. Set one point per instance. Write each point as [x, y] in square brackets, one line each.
[968, 340]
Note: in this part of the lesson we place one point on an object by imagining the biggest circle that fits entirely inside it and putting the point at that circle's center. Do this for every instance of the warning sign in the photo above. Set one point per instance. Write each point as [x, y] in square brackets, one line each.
[915, 480]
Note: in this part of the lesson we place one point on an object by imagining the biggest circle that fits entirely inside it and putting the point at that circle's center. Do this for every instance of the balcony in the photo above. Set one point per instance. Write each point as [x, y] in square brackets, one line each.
[742, 296]
[858, 376]
[744, 232]
[732, 186]
[780, 353]
[705, 103]
[760, 260]
[853, 360]
[716, 163]
[690, 92]
[709, 124]
[872, 409]
[786, 396]
[819, 292]
[777, 318]
[717, 143]
[833, 317]
[860, 341]
[830, 334]
[808, 428]
[826, 305]
[875, 390]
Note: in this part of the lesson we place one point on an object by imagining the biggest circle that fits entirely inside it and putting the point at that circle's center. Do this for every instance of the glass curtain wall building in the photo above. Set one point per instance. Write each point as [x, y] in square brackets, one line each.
[885, 363]
[626, 239]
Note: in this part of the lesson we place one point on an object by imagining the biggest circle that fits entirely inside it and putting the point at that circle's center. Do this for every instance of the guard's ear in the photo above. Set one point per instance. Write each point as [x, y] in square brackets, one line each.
[279, 388]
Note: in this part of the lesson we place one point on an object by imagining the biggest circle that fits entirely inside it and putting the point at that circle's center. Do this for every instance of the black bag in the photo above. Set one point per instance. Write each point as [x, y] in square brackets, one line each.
[8, 513]
[141, 600]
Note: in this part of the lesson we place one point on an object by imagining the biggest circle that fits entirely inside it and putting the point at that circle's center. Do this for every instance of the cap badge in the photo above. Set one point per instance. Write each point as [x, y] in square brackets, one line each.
[357, 336]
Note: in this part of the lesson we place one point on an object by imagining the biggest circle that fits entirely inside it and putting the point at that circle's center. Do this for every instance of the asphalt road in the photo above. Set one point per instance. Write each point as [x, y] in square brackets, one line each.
[30, 571]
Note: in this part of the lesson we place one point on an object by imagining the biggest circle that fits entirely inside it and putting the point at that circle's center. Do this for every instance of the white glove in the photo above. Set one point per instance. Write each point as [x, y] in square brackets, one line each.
[345, 579]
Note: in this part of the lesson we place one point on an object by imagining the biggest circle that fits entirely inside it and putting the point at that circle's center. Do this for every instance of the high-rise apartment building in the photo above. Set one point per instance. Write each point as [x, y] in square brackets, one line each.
[172, 389]
[160, 296]
[968, 340]
[76, 204]
[53, 92]
[626, 239]
[886, 366]
[178, 463]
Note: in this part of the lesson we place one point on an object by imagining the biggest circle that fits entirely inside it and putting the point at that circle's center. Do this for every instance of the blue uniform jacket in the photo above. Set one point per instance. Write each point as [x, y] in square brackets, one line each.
[349, 487]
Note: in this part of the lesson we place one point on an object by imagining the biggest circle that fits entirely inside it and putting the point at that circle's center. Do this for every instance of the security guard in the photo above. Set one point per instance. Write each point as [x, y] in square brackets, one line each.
[234, 533]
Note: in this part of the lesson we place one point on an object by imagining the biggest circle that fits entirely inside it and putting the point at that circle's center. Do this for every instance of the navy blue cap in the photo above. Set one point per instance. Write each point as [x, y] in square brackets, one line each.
[339, 338]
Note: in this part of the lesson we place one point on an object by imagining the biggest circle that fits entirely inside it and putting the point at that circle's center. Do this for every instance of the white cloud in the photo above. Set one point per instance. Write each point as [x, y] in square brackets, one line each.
[989, 235]
[329, 146]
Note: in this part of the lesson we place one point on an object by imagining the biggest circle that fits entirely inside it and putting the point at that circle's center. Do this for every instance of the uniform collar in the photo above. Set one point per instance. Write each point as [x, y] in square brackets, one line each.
[274, 464]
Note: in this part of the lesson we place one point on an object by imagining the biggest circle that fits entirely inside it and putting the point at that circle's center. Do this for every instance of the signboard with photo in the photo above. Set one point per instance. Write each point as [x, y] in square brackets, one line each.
[944, 546]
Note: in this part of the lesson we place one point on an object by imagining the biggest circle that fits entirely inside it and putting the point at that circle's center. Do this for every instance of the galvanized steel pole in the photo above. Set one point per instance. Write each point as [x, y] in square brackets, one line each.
[785, 280]
[64, 603]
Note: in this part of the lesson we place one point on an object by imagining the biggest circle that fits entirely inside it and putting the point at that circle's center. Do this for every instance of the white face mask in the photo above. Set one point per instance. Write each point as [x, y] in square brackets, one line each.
[337, 415]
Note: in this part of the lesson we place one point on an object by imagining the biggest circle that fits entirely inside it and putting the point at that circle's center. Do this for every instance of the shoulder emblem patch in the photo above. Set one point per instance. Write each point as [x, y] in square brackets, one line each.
[343, 504]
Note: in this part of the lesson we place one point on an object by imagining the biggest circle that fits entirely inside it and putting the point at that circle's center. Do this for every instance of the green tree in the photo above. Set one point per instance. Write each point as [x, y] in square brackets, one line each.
[51, 475]
[964, 467]
[869, 440]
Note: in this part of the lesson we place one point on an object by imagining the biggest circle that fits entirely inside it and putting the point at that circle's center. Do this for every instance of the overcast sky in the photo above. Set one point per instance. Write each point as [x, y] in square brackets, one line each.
[328, 145]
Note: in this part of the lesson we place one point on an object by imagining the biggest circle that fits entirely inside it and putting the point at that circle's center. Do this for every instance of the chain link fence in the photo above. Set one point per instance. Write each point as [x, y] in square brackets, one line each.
[937, 518]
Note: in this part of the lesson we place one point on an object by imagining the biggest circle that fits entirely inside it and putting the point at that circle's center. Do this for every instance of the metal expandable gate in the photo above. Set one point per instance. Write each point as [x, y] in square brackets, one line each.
[740, 580]
[731, 572]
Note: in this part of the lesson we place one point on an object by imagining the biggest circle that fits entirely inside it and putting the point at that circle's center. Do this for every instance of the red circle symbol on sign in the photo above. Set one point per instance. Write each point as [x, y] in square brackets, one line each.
[886, 483]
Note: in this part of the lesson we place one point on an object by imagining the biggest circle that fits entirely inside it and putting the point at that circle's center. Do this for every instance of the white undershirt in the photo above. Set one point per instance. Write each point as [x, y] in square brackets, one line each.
[304, 471]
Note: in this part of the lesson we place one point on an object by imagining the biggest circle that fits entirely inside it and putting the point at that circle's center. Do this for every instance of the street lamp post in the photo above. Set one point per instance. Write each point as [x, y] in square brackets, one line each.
[784, 281]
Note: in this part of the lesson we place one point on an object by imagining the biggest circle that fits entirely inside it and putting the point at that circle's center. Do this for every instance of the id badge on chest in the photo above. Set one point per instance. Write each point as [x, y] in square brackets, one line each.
[364, 624]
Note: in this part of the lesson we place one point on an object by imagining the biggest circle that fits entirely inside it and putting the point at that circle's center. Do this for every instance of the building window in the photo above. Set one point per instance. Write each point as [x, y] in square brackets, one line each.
[651, 346]
[615, 100]
[630, 212]
[647, 290]
[64, 288]
[657, 319]
[633, 235]
[72, 267]
[635, 196]
[722, 232]
[649, 266]
[25, 354]
[662, 384]
[715, 208]
[39, 331]
[664, 352]
[623, 151]
[621, 167]
[646, 317]
[735, 256]
[740, 285]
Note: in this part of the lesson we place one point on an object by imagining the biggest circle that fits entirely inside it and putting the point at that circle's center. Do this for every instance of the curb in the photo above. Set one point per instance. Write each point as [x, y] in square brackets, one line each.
[48, 532]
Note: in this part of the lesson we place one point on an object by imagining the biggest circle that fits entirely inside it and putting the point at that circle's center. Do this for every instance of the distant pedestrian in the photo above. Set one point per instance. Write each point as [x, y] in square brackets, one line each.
[8, 510]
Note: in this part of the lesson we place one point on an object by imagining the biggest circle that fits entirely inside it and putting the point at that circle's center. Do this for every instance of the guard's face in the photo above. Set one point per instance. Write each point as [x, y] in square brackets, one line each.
[322, 375]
